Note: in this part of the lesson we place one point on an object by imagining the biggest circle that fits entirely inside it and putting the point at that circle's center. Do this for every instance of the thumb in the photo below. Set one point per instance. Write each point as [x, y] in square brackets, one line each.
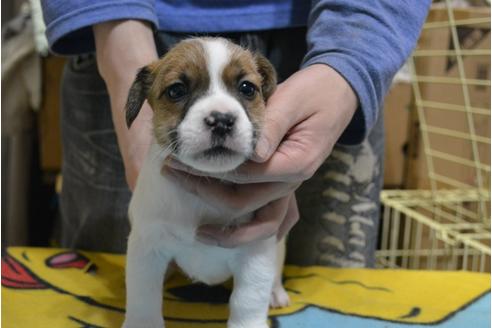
[274, 129]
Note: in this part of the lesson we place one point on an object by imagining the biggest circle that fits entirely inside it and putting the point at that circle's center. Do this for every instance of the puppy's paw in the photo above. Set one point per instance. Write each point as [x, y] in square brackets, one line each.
[143, 323]
[279, 298]
[248, 325]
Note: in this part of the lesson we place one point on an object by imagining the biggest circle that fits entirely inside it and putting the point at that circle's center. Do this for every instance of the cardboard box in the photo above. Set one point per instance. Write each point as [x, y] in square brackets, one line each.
[471, 37]
[49, 115]
[396, 120]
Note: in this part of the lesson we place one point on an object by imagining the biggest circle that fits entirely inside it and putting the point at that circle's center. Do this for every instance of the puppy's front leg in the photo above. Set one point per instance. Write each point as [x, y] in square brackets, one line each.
[145, 269]
[254, 274]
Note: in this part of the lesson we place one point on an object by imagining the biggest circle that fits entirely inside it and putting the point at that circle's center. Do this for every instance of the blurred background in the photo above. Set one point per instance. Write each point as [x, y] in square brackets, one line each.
[436, 202]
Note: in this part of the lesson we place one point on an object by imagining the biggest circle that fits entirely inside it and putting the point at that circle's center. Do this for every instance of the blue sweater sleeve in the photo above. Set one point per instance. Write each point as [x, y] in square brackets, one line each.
[366, 42]
[69, 23]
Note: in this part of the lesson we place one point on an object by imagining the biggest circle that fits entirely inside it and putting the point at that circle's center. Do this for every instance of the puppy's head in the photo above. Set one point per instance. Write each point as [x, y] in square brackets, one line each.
[208, 96]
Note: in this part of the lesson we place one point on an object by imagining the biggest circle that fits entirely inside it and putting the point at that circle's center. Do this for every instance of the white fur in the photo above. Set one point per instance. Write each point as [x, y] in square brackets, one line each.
[164, 219]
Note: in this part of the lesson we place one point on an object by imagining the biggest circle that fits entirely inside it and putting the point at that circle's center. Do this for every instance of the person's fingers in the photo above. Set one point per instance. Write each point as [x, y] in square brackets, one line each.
[281, 115]
[291, 218]
[264, 224]
[237, 199]
[275, 127]
[292, 162]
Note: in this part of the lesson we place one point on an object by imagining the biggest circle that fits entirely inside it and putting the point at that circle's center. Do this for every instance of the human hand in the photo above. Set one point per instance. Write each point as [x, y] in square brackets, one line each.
[118, 59]
[273, 204]
[305, 117]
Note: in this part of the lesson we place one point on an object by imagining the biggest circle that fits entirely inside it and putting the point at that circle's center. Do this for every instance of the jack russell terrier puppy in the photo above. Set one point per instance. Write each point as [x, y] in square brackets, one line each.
[208, 96]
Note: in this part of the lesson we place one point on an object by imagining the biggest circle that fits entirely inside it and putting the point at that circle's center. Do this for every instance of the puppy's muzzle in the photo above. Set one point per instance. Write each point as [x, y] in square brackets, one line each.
[220, 124]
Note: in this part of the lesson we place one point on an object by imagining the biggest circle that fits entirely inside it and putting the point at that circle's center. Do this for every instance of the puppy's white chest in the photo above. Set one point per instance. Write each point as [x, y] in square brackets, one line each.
[210, 265]
[166, 218]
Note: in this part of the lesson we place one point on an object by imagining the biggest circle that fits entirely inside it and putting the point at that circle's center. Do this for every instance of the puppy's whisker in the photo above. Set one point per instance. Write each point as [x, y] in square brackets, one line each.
[164, 152]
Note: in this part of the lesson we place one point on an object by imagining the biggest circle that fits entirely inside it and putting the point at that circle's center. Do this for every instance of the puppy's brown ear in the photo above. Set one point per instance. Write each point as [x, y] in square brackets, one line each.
[137, 94]
[268, 75]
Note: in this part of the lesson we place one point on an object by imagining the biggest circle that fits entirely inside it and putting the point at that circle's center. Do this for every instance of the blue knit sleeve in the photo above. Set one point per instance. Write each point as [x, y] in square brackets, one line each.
[69, 23]
[366, 42]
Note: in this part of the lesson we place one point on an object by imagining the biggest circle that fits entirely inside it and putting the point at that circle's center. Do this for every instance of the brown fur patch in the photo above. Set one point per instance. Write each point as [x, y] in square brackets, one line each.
[184, 63]
[268, 75]
[245, 66]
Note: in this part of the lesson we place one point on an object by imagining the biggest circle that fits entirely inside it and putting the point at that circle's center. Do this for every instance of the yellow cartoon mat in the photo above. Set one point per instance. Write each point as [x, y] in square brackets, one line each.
[59, 288]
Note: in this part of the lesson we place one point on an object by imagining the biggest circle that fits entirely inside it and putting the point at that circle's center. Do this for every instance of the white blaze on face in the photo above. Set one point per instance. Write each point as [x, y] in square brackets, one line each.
[196, 137]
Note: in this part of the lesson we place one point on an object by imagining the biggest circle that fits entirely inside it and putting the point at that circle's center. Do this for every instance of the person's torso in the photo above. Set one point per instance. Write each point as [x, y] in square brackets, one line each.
[230, 15]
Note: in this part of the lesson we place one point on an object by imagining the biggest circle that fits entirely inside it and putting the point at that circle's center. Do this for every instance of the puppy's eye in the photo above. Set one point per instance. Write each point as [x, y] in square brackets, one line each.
[176, 91]
[247, 89]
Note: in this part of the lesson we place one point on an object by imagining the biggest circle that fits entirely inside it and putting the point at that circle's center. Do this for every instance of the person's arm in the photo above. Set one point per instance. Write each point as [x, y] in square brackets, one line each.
[366, 42]
[354, 49]
[122, 47]
[69, 23]
[121, 32]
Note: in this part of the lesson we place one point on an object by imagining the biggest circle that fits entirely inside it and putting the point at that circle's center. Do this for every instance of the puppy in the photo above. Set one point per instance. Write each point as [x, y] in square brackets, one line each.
[208, 96]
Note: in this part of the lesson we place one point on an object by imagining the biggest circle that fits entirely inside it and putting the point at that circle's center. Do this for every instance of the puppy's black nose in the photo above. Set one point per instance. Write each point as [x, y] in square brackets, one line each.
[220, 123]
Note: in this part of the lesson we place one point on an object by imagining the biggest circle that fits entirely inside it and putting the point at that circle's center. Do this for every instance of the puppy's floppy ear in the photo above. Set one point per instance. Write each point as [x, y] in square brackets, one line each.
[268, 75]
[137, 94]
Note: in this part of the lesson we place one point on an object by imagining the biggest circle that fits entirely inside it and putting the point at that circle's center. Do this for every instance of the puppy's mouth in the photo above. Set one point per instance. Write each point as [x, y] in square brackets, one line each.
[215, 158]
[218, 151]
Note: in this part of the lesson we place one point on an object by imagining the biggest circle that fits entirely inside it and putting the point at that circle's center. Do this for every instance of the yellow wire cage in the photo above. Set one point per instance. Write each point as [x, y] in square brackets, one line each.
[445, 224]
